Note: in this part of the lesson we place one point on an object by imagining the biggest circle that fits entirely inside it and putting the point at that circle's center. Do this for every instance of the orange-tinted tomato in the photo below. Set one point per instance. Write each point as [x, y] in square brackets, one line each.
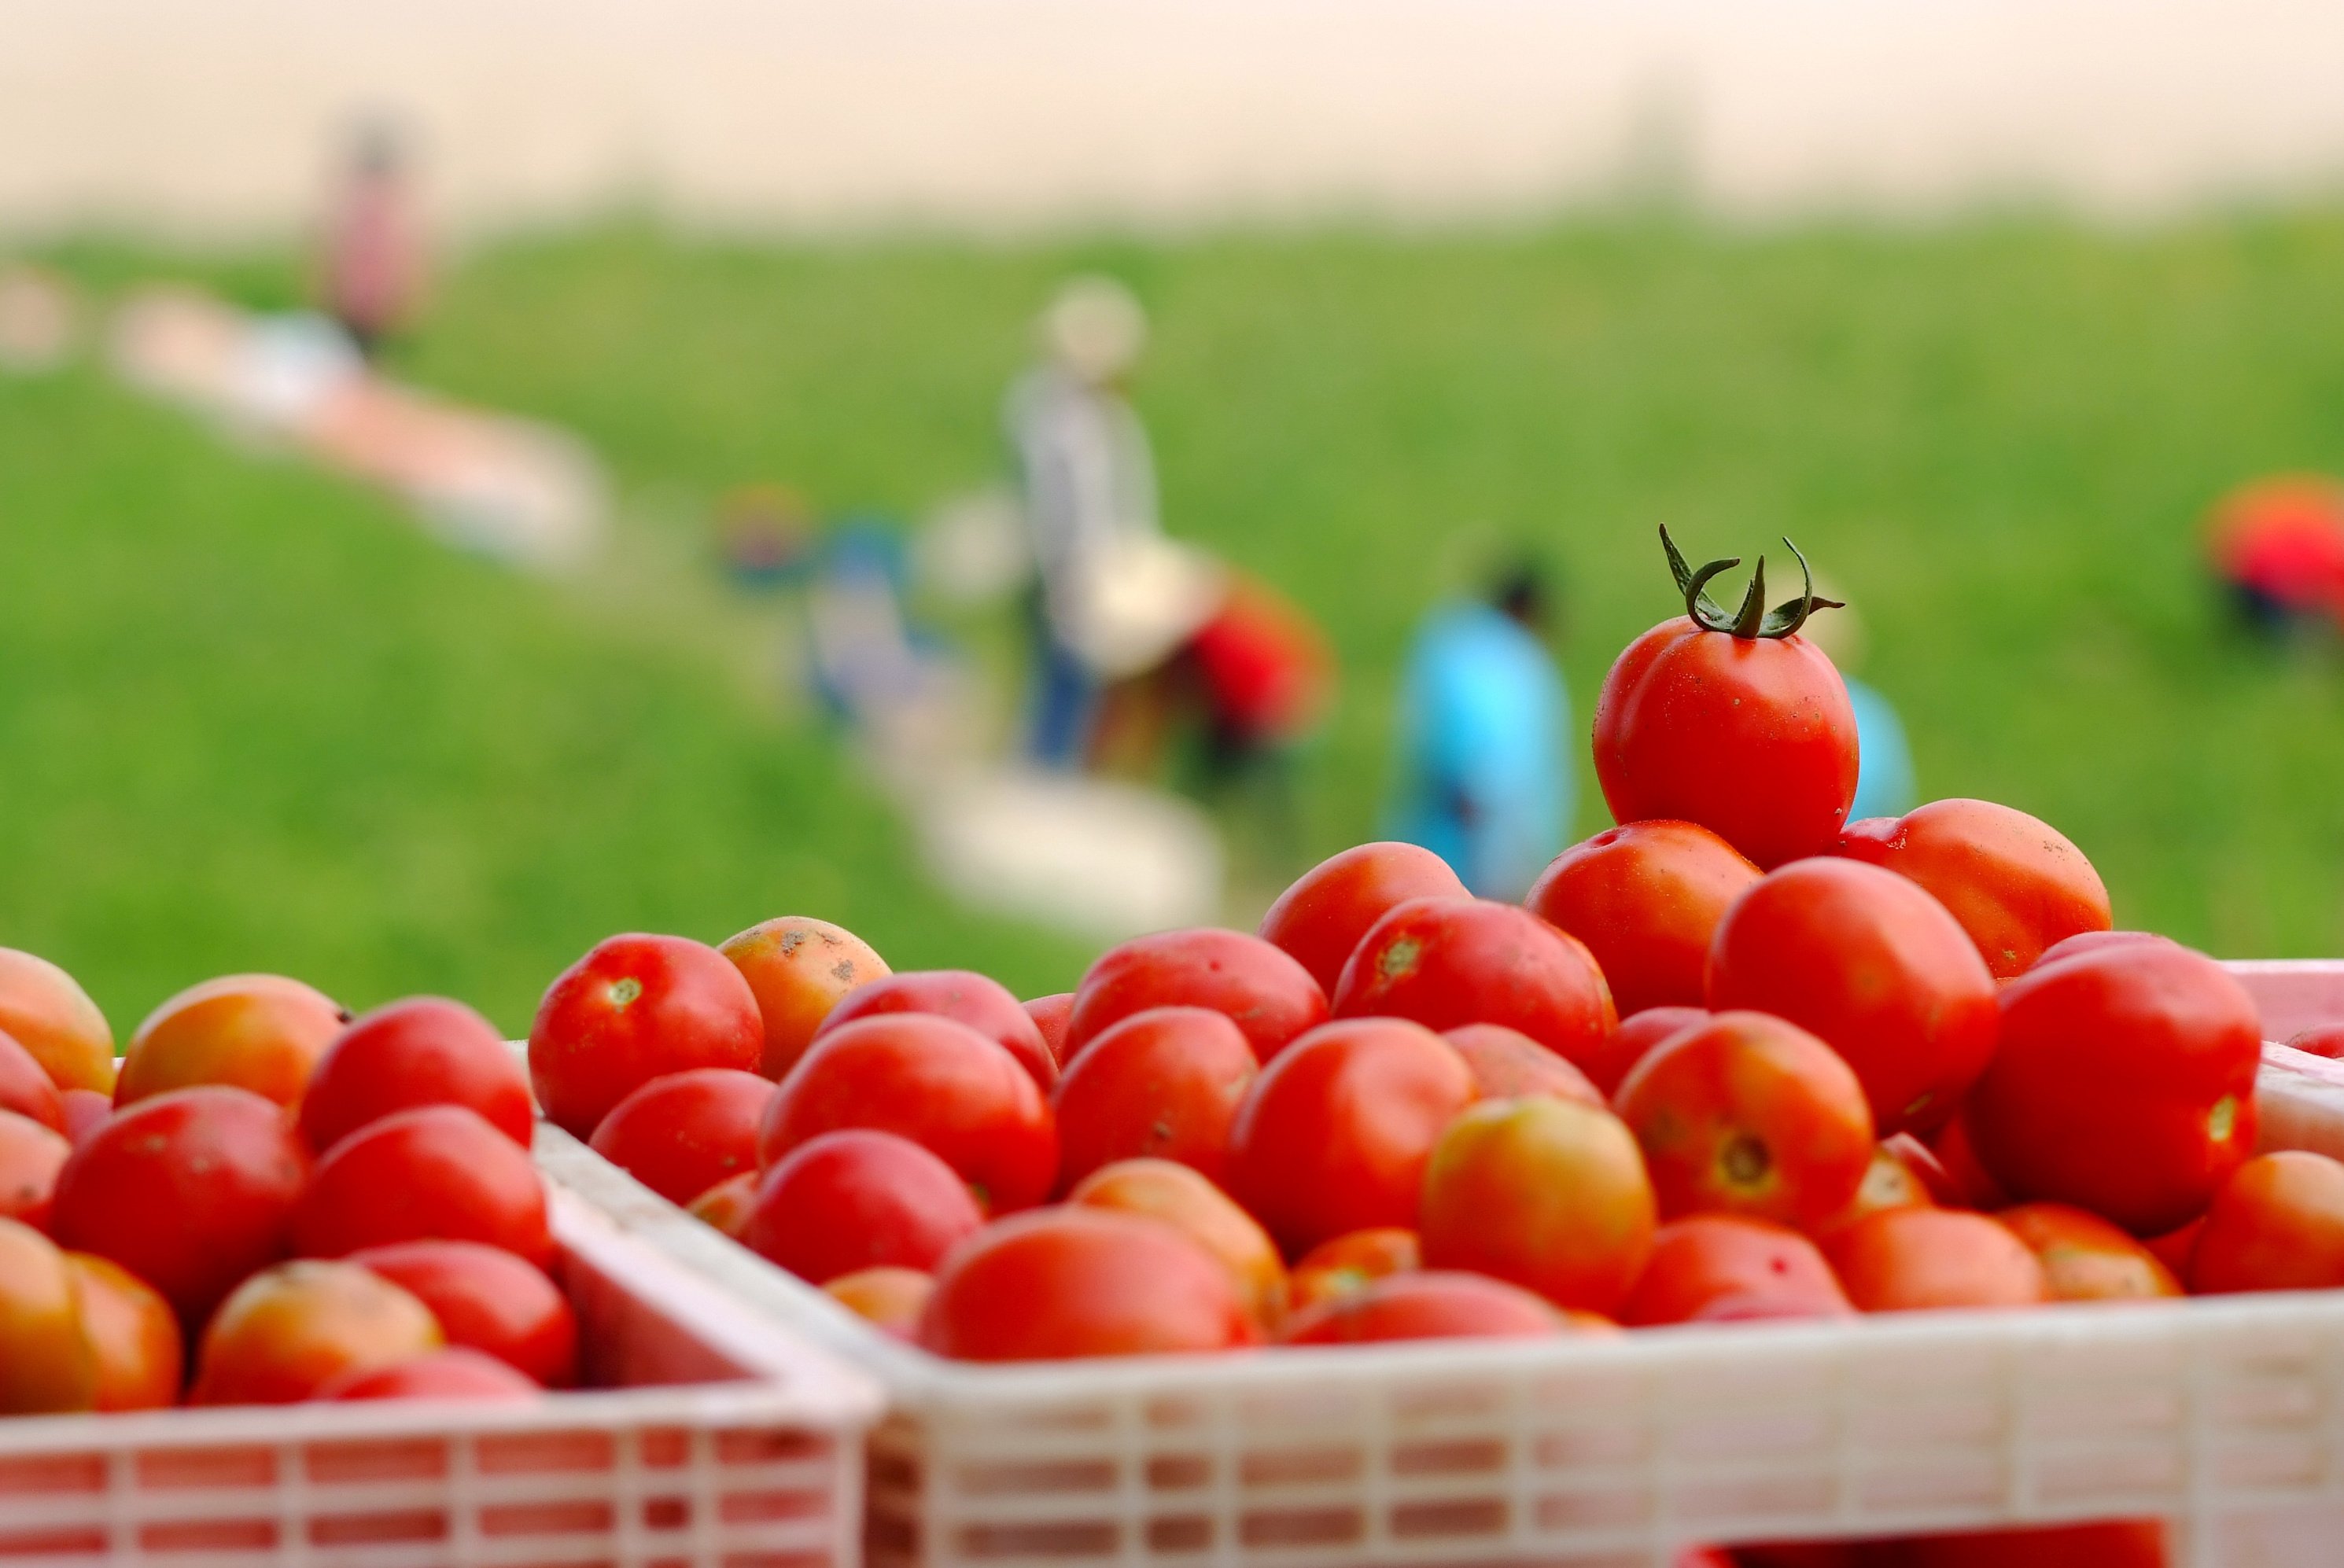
[632, 1010]
[859, 1199]
[1646, 899]
[133, 1336]
[1161, 1190]
[2085, 1258]
[1635, 1038]
[1890, 1181]
[1266, 993]
[1348, 1262]
[982, 1003]
[1508, 1064]
[434, 1172]
[1165, 1083]
[799, 969]
[1050, 1014]
[487, 1300]
[2015, 883]
[291, 1329]
[1435, 1305]
[1914, 1260]
[31, 1155]
[25, 1088]
[45, 1012]
[1321, 918]
[261, 1032]
[452, 1374]
[891, 1299]
[424, 1050]
[2277, 1224]
[1082, 1281]
[1711, 1260]
[1446, 961]
[728, 1205]
[45, 1364]
[682, 1134]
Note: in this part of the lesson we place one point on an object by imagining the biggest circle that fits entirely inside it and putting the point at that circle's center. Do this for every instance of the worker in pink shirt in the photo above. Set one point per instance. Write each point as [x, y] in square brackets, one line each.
[374, 245]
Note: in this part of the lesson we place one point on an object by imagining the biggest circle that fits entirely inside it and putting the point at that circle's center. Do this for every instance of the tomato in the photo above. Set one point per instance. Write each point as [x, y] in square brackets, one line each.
[1348, 1263]
[1700, 1262]
[25, 1088]
[434, 1172]
[2177, 1249]
[855, 1199]
[634, 1009]
[1547, 1194]
[1508, 1064]
[1321, 918]
[1334, 1134]
[86, 1111]
[982, 1003]
[31, 1155]
[2325, 1040]
[452, 1373]
[1937, 1178]
[1890, 1181]
[1268, 995]
[1082, 1281]
[2124, 1083]
[2092, 941]
[1446, 961]
[424, 1050]
[1164, 1082]
[2085, 1258]
[727, 1205]
[190, 1191]
[45, 1364]
[682, 1134]
[1747, 1114]
[134, 1338]
[1646, 899]
[799, 969]
[487, 1300]
[292, 1328]
[1746, 731]
[261, 1032]
[940, 1084]
[891, 1299]
[1969, 1184]
[2015, 883]
[2121, 1544]
[1872, 963]
[1637, 1035]
[1914, 1260]
[1432, 1305]
[1161, 1190]
[42, 1009]
[1050, 1014]
[2277, 1224]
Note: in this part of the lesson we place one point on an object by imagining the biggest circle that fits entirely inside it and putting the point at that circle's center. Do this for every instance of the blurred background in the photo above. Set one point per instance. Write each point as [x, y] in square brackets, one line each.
[1003, 473]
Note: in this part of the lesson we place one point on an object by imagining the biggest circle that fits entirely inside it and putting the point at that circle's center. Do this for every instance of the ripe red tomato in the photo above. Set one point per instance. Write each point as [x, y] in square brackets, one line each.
[2277, 1224]
[31, 1155]
[2086, 1259]
[1321, 918]
[45, 1012]
[1634, 1041]
[799, 969]
[1446, 961]
[940, 1084]
[452, 1373]
[1266, 993]
[2092, 941]
[682, 1134]
[2178, 1249]
[1334, 1134]
[1082, 1281]
[1968, 1185]
[1184, 1199]
[2015, 884]
[1746, 731]
[1869, 961]
[1706, 1260]
[1508, 1064]
[434, 1172]
[190, 1191]
[424, 1050]
[1435, 1305]
[632, 1010]
[2118, 1544]
[982, 1003]
[1914, 1260]
[25, 1088]
[2124, 1083]
[291, 1329]
[487, 1300]
[1547, 1194]
[1050, 1014]
[1646, 899]
[1166, 1083]
[2323, 1039]
[1349, 1263]
[859, 1199]
[892, 1300]
[261, 1032]
[1748, 1114]
[133, 1336]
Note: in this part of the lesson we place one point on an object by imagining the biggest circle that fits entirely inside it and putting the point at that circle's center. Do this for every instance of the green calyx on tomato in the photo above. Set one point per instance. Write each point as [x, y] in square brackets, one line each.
[1753, 619]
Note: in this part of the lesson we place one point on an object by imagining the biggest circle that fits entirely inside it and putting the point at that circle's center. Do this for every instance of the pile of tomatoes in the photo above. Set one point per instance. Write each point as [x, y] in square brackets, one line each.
[318, 1207]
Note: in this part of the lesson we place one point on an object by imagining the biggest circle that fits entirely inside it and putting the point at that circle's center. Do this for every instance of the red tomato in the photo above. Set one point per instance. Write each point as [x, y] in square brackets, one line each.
[1749, 735]
[2177, 1249]
[1917, 1260]
[1711, 1260]
[190, 1191]
[892, 1300]
[291, 1329]
[1186, 1200]
[681, 1134]
[1446, 961]
[727, 1205]
[1431, 1305]
[1645, 898]
[2085, 1258]
[45, 1012]
[1930, 1170]
[632, 1010]
[487, 1300]
[799, 969]
[1266, 993]
[1547, 1194]
[452, 1374]
[434, 1172]
[2123, 1543]
[2277, 1224]
[2092, 941]
[1081, 1281]
[1050, 1014]
[2124, 1083]
[1508, 1064]
[46, 1360]
[1321, 918]
[1349, 1263]
[1968, 1185]
[1877, 967]
[859, 1199]
[2325, 1040]
[1334, 1134]
[86, 1111]
[1166, 1083]
[982, 1003]
[425, 1051]
[1637, 1035]
[134, 1337]
[1747, 1114]
[940, 1084]
[31, 1155]
[1890, 1181]
[261, 1032]
[25, 1088]
[2015, 884]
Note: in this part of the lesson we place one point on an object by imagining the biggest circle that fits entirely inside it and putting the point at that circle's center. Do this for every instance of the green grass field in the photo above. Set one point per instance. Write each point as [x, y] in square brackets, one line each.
[249, 720]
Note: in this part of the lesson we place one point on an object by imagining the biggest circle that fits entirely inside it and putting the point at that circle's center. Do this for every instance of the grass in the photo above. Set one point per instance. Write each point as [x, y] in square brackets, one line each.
[249, 720]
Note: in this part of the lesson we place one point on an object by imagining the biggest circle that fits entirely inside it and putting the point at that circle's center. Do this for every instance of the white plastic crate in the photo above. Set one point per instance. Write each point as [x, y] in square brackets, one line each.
[2226, 1416]
[709, 1440]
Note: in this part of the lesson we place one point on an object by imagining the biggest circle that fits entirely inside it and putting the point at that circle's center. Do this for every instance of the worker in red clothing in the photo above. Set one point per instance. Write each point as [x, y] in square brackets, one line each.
[2278, 545]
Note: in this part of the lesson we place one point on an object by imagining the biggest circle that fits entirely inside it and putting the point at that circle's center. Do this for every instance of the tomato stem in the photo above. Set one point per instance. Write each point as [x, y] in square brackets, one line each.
[1752, 620]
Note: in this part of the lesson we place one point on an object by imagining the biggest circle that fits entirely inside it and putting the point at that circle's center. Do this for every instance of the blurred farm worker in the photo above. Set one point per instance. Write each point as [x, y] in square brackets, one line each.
[2278, 547]
[765, 535]
[373, 261]
[1885, 785]
[1483, 714]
